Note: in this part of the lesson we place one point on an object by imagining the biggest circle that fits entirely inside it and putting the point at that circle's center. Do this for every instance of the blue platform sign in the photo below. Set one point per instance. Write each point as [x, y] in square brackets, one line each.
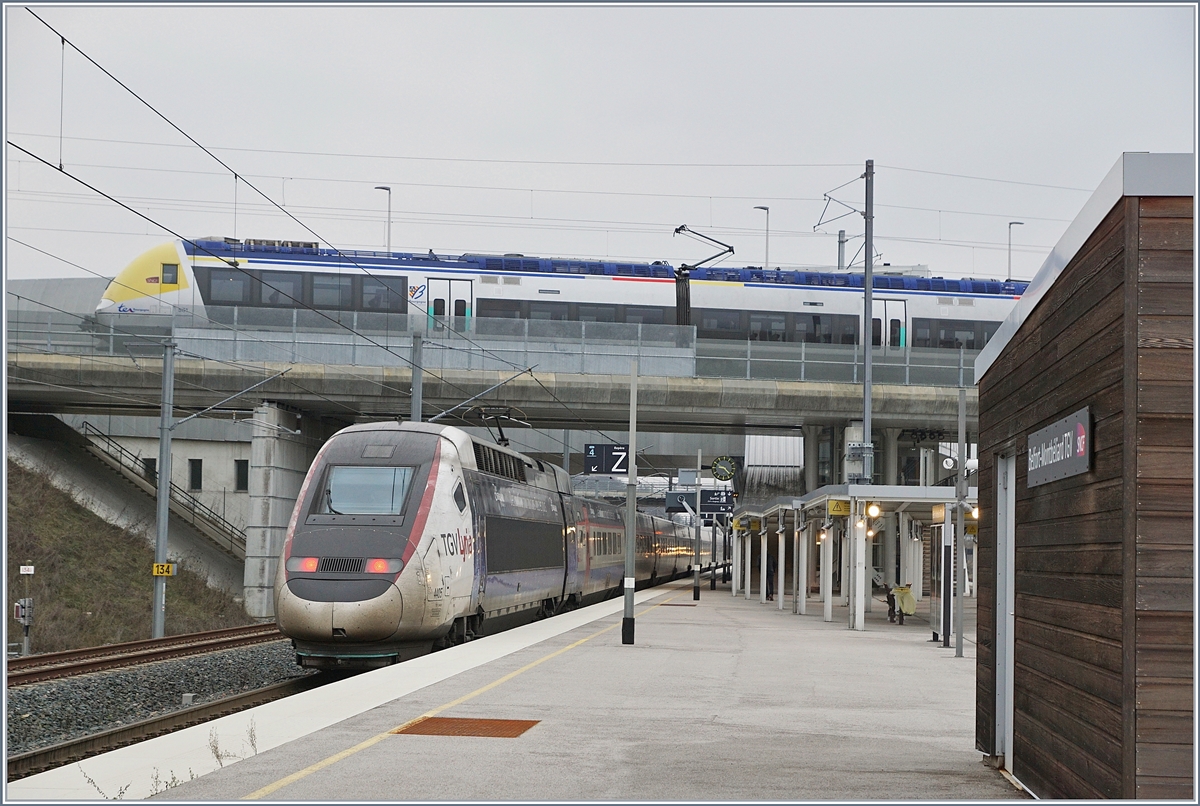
[605, 459]
[1060, 450]
[713, 502]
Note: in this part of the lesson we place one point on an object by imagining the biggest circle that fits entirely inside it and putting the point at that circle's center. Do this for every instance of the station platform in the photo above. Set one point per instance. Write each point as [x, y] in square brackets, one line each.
[721, 699]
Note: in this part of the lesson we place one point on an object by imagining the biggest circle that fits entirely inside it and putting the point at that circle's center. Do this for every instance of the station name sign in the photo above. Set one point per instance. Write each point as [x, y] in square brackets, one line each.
[1060, 450]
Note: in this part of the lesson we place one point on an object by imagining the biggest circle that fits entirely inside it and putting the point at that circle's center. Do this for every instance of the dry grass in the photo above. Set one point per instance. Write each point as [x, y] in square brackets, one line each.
[93, 584]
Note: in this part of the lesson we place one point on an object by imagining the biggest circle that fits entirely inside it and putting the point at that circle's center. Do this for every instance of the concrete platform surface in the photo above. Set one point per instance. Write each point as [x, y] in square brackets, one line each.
[724, 699]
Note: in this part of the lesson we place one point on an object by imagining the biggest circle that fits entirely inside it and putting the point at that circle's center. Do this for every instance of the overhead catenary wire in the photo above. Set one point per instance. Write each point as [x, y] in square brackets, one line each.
[562, 191]
[592, 163]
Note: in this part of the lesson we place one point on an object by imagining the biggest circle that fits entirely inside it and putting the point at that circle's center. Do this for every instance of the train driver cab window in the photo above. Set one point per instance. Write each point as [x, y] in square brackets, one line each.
[351, 490]
[170, 274]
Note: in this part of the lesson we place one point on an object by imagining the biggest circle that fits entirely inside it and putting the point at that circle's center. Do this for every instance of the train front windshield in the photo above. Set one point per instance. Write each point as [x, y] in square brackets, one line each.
[366, 491]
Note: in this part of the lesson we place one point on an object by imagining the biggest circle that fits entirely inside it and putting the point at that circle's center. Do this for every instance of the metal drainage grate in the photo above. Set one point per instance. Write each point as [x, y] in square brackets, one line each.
[450, 726]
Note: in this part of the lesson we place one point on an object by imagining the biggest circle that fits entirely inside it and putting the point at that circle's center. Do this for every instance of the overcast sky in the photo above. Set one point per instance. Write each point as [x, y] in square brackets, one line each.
[585, 131]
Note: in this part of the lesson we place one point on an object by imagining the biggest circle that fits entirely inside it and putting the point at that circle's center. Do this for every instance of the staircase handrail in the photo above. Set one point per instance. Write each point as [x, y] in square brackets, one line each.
[132, 461]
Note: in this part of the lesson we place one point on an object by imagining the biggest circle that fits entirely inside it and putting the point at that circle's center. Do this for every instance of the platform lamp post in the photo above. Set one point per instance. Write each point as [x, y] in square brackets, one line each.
[767, 252]
[1011, 224]
[389, 216]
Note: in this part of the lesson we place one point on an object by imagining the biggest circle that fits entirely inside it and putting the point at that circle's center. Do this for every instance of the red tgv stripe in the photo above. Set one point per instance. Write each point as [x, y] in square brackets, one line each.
[414, 537]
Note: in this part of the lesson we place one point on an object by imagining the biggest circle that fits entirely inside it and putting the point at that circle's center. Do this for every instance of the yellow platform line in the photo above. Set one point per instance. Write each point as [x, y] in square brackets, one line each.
[334, 759]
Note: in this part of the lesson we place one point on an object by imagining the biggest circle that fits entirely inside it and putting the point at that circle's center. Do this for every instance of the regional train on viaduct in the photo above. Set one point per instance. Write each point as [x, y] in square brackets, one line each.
[727, 303]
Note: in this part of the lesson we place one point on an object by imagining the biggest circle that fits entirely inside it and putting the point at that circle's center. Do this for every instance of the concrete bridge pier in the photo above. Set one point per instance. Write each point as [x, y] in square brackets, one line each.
[279, 460]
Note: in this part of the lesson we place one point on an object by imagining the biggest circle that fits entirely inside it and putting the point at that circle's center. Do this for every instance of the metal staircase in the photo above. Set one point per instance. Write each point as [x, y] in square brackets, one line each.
[222, 533]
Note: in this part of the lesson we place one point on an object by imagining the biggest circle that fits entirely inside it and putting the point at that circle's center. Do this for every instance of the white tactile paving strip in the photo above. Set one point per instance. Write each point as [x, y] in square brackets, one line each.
[131, 772]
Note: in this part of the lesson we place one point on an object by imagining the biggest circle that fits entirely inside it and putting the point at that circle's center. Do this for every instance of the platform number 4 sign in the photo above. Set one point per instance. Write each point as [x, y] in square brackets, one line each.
[605, 459]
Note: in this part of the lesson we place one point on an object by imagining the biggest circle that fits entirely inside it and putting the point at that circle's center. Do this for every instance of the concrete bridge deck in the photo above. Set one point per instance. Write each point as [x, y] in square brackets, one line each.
[45, 383]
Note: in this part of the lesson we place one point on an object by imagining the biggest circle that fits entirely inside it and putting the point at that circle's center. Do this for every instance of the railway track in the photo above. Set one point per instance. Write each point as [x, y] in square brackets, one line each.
[38, 668]
[34, 761]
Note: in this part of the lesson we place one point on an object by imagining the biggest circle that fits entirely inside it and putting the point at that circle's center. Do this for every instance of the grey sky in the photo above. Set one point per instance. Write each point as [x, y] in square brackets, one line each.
[587, 131]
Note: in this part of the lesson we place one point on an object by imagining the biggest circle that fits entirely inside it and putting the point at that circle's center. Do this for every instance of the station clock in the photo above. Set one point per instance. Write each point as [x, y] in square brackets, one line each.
[723, 468]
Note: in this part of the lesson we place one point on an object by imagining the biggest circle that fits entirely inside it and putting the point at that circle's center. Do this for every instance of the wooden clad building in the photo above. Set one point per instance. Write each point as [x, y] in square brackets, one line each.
[1086, 540]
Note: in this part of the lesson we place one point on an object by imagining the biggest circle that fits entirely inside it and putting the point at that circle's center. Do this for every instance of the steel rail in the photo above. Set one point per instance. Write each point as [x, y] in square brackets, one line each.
[32, 762]
[38, 668]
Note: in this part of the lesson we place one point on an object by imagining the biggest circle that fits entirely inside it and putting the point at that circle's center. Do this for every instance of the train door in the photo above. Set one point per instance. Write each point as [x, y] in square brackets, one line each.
[450, 303]
[889, 327]
[895, 324]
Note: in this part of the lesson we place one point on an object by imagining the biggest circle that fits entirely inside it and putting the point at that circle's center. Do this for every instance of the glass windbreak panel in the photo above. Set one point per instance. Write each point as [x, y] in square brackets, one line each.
[365, 491]
[282, 288]
[332, 291]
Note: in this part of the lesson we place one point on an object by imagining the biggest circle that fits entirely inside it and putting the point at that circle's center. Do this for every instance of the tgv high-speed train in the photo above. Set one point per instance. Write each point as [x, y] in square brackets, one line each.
[727, 303]
[407, 535]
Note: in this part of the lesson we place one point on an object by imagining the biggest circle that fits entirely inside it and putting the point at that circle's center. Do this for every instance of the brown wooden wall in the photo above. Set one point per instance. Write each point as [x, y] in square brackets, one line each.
[1159, 559]
[1103, 559]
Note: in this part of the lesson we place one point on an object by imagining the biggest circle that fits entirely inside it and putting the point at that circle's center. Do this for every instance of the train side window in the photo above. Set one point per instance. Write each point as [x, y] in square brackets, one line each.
[876, 332]
[499, 308]
[229, 286]
[384, 294]
[645, 316]
[282, 288]
[551, 311]
[597, 313]
[460, 498]
[170, 274]
[894, 333]
[331, 291]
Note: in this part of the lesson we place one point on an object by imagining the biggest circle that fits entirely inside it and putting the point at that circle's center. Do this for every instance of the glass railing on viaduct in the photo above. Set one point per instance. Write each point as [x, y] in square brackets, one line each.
[379, 339]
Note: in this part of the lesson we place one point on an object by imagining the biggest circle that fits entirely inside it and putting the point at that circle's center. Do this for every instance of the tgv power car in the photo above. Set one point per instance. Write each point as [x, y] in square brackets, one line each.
[411, 535]
[728, 303]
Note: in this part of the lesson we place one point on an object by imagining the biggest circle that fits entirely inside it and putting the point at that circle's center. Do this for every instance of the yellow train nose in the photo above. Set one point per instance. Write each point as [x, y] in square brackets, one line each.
[138, 287]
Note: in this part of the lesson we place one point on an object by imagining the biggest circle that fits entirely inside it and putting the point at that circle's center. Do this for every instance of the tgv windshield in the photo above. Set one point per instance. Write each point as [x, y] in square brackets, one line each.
[366, 491]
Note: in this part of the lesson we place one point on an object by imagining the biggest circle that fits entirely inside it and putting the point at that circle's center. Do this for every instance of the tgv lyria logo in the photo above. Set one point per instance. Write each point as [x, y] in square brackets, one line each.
[416, 292]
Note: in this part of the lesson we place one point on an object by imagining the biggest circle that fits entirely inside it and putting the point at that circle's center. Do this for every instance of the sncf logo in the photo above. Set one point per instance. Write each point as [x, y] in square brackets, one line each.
[1080, 440]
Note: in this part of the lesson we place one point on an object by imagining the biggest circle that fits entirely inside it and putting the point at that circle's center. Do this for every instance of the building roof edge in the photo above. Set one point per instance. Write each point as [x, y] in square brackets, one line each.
[1134, 174]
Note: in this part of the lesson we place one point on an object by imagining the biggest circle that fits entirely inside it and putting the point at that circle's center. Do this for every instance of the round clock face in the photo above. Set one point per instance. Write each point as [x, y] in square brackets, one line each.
[723, 468]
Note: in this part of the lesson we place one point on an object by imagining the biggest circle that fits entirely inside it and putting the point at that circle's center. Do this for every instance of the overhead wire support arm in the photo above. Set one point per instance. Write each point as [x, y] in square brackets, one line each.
[231, 397]
[481, 394]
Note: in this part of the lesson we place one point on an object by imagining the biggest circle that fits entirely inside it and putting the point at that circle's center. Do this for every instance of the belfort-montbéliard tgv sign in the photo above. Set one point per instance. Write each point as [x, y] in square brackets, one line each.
[1060, 450]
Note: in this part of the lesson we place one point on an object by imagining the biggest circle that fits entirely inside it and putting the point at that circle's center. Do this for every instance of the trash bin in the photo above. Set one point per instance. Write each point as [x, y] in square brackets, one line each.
[906, 604]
